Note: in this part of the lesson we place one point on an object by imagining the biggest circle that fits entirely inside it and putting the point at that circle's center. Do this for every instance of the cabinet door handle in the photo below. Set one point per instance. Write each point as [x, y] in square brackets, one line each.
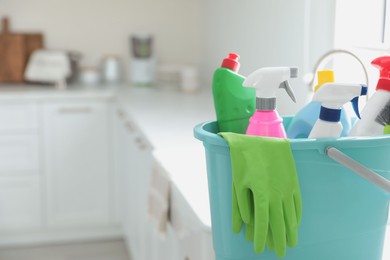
[74, 110]
[141, 143]
[130, 127]
[120, 113]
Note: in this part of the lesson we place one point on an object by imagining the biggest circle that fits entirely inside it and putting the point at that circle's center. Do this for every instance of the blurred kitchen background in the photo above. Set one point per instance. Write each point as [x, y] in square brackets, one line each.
[195, 34]
[98, 98]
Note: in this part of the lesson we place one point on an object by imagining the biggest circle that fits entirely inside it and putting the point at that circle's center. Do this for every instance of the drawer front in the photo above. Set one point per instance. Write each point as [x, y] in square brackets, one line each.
[19, 154]
[18, 117]
[20, 203]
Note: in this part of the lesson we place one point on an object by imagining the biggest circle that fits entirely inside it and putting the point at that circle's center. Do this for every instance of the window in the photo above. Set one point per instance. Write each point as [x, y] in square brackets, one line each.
[362, 27]
[362, 24]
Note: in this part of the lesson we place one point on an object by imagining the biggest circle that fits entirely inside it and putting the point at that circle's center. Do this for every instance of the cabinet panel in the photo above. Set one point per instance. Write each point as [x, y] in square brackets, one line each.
[20, 203]
[19, 154]
[77, 163]
[120, 160]
[134, 162]
[128, 157]
[18, 117]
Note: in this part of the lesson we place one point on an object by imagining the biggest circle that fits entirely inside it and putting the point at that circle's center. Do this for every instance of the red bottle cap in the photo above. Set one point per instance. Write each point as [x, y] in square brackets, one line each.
[231, 62]
[383, 64]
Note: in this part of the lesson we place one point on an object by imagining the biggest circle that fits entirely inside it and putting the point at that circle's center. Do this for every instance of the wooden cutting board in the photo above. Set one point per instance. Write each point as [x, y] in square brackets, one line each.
[15, 49]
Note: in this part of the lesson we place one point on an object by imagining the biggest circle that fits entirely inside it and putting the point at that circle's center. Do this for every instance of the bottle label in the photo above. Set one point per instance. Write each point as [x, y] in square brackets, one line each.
[330, 114]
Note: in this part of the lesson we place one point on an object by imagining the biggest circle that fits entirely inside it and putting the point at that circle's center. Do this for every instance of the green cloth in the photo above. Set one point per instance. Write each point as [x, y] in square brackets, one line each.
[266, 194]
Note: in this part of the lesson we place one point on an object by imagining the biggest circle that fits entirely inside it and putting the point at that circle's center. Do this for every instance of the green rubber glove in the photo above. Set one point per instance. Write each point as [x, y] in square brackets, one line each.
[266, 194]
[237, 219]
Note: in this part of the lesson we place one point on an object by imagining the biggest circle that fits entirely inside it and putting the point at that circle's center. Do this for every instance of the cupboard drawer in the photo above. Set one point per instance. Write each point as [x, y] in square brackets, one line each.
[18, 117]
[20, 203]
[19, 154]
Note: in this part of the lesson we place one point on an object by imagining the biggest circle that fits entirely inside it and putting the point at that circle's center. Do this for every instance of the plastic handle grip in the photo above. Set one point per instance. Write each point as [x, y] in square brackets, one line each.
[358, 168]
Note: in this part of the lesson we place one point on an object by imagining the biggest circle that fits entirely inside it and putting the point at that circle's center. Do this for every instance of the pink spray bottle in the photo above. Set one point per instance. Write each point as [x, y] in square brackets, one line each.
[266, 120]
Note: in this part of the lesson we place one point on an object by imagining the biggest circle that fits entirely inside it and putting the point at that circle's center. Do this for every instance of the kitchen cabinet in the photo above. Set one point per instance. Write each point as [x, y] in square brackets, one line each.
[20, 178]
[167, 127]
[134, 162]
[77, 163]
[20, 203]
[18, 117]
[56, 167]
[142, 169]
[19, 154]
[123, 155]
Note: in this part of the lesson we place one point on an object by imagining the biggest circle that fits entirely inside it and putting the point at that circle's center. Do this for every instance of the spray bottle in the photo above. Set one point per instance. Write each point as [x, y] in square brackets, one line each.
[332, 97]
[368, 125]
[234, 105]
[266, 120]
[303, 122]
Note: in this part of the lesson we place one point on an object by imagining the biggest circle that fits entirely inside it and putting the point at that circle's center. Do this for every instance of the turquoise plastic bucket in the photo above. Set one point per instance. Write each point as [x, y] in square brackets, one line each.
[344, 216]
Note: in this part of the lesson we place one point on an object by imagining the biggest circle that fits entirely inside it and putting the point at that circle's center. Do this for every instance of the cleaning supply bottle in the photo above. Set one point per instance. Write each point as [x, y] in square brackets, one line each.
[234, 105]
[384, 118]
[332, 97]
[303, 122]
[266, 120]
[368, 126]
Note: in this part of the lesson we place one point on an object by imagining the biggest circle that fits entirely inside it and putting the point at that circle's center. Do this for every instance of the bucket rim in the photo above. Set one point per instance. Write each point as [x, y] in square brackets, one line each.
[205, 136]
[201, 133]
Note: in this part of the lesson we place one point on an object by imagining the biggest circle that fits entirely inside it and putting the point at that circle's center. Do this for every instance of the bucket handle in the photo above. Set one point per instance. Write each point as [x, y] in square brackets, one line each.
[358, 168]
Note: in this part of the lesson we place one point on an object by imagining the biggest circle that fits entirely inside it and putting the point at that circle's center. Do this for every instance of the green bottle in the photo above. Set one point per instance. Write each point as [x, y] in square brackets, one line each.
[233, 103]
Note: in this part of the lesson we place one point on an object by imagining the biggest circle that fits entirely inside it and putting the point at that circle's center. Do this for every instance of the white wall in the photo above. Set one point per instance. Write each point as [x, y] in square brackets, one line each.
[98, 27]
[268, 33]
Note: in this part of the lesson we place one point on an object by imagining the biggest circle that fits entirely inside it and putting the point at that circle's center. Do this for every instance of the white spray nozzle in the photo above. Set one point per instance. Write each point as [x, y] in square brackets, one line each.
[335, 95]
[267, 80]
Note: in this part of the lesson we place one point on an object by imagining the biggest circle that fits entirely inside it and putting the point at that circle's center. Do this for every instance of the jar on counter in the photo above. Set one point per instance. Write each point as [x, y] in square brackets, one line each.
[89, 76]
[112, 70]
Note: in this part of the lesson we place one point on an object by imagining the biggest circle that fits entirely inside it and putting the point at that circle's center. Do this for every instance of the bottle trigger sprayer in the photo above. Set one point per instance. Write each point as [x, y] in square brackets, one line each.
[266, 120]
[302, 123]
[368, 125]
[332, 97]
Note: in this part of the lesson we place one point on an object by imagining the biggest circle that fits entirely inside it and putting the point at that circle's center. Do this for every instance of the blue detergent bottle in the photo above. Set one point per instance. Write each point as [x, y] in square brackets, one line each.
[303, 122]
